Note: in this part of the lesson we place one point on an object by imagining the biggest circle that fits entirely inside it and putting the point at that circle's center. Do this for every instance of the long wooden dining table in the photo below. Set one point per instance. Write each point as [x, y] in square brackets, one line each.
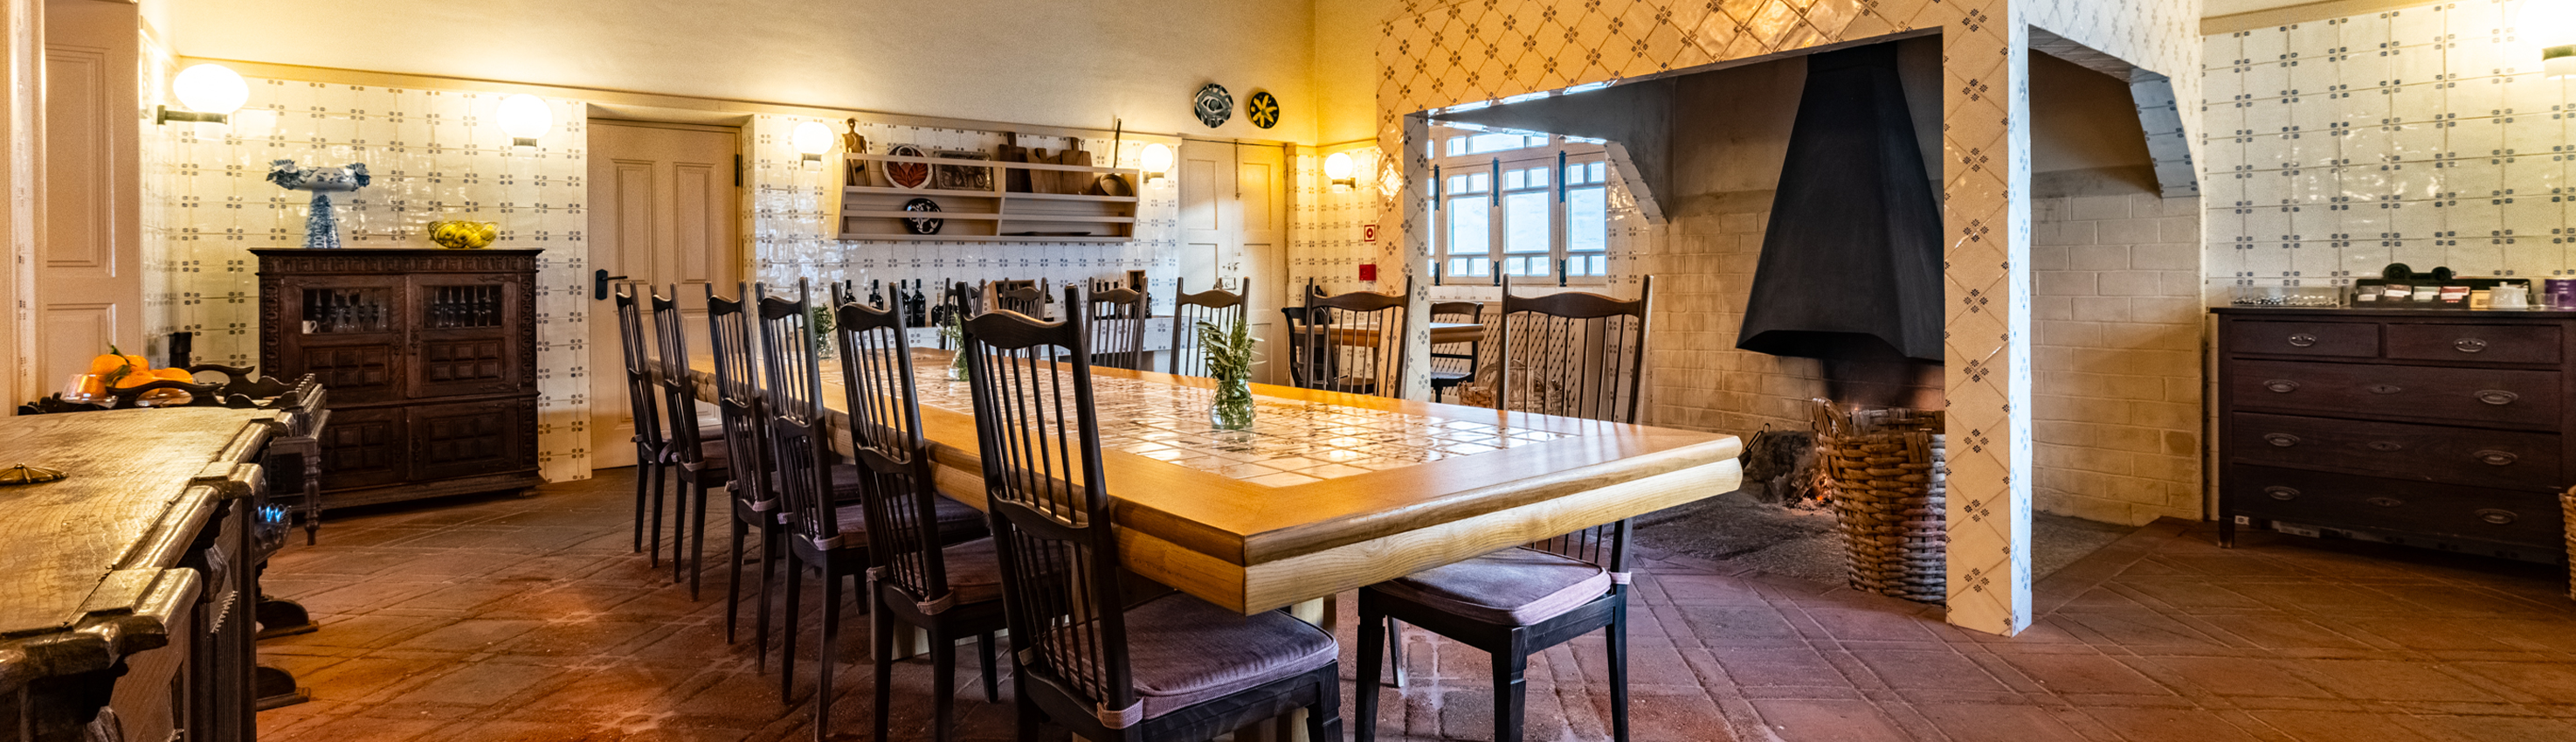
[1329, 491]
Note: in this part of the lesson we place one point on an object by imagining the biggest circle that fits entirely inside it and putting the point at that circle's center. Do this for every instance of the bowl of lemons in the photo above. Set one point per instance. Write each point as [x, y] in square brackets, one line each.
[463, 235]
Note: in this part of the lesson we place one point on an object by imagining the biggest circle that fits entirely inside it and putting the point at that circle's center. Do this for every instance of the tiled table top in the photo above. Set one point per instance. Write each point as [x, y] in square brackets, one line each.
[1292, 442]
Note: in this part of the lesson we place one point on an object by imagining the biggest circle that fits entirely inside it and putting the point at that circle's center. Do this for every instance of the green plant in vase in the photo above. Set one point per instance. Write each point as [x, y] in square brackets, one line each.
[1229, 361]
[954, 332]
[820, 320]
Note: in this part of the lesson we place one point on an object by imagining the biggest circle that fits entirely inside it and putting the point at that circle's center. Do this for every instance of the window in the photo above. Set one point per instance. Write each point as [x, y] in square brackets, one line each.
[1526, 204]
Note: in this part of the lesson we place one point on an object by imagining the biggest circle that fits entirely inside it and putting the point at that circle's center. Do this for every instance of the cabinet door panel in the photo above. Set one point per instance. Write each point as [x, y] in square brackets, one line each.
[472, 438]
[464, 336]
[363, 447]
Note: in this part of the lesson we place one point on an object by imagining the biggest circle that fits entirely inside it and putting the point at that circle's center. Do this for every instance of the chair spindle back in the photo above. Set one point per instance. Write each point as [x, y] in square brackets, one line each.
[1215, 306]
[885, 433]
[1576, 354]
[1353, 342]
[738, 398]
[800, 454]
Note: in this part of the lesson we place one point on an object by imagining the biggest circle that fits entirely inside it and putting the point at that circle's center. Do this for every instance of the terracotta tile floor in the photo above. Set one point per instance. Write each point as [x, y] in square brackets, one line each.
[527, 619]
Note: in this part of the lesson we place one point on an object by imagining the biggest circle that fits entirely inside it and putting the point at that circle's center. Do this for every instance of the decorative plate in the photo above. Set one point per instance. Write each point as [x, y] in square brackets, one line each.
[914, 175]
[1214, 105]
[920, 225]
[1262, 109]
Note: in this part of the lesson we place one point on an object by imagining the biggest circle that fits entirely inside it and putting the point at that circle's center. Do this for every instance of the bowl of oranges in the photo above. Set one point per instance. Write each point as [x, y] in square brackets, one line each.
[456, 235]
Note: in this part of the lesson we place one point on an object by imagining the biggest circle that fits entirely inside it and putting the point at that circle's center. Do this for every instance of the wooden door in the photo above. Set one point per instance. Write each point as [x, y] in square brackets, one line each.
[663, 211]
[1234, 226]
[88, 290]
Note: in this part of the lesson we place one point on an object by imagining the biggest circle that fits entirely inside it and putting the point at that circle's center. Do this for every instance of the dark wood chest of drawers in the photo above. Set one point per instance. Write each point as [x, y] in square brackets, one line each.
[2443, 429]
[430, 358]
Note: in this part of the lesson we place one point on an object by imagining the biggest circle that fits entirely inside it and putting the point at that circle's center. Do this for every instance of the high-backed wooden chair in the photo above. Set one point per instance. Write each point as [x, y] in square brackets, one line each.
[703, 465]
[950, 591]
[1576, 351]
[650, 444]
[1171, 667]
[738, 405]
[1215, 306]
[1023, 296]
[1454, 363]
[1116, 316]
[1352, 342]
[801, 471]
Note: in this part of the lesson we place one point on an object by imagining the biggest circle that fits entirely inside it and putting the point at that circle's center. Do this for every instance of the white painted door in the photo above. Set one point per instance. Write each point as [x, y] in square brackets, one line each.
[1234, 227]
[88, 290]
[662, 210]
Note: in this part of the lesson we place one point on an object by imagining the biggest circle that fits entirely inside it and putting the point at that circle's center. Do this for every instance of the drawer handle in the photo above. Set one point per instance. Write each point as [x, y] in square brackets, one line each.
[2283, 440]
[2492, 457]
[2469, 345]
[2498, 517]
[2386, 388]
[2386, 446]
[2387, 502]
[2283, 386]
[2303, 340]
[2497, 397]
[2281, 493]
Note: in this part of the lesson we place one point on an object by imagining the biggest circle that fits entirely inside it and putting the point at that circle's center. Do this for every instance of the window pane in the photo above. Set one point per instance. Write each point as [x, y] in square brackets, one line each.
[1512, 179]
[1470, 231]
[1457, 146]
[1483, 143]
[1478, 266]
[1597, 169]
[1479, 182]
[1534, 140]
[1587, 220]
[1525, 222]
[1538, 178]
[1535, 265]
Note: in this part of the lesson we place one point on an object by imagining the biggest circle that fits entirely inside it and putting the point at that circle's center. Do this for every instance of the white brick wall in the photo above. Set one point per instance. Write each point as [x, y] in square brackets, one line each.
[1703, 270]
[2116, 356]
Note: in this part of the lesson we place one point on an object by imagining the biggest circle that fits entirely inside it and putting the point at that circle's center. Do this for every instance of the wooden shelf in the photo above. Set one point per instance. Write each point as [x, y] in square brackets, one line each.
[866, 211]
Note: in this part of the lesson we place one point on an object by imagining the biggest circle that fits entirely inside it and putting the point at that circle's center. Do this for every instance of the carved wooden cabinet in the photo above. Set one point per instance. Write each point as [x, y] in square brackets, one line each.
[430, 359]
[2444, 429]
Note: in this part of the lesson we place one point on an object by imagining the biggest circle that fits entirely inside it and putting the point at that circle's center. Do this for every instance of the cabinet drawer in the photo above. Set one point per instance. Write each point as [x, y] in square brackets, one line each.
[2479, 343]
[2464, 394]
[2326, 499]
[2487, 458]
[2290, 338]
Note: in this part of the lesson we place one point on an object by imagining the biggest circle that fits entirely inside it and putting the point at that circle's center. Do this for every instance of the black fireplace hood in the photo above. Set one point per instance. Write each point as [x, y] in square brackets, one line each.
[1851, 263]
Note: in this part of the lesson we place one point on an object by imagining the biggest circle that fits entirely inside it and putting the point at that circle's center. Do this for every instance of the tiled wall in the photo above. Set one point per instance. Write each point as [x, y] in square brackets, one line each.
[1703, 271]
[2116, 318]
[793, 237]
[434, 154]
[1328, 227]
[2423, 135]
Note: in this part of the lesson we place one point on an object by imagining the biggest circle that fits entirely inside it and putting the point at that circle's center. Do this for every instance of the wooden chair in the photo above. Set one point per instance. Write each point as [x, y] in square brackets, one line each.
[702, 465]
[950, 591]
[1581, 355]
[1116, 316]
[1215, 306]
[1171, 667]
[1352, 342]
[649, 441]
[821, 531]
[1454, 363]
[1022, 296]
[755, 504]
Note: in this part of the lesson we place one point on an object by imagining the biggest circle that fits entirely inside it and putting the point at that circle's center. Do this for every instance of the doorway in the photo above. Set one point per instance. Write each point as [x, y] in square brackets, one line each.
[1234, 227]
[663, 201]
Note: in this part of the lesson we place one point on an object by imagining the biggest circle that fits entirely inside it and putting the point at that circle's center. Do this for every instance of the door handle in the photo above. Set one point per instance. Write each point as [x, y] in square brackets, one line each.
[599, 284]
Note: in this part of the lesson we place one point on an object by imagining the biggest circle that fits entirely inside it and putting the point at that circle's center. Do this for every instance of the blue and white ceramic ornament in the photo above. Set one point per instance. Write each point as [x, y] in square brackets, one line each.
[321, 229]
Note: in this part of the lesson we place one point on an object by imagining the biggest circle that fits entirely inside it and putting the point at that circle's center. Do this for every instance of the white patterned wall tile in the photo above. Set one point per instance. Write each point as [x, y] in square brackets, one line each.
[2440, 135]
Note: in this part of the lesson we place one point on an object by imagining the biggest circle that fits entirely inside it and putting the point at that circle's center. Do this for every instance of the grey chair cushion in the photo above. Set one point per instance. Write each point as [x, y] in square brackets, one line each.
[1513, 587]
[957, 522]
[1182, 651]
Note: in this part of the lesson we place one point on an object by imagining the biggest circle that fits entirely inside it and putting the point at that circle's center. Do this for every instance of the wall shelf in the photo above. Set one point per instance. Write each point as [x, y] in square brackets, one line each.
[870, 208]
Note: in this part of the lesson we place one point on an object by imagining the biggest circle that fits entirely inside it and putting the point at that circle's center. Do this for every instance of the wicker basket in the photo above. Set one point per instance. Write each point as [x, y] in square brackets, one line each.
[2567, 509]
[1884, 472]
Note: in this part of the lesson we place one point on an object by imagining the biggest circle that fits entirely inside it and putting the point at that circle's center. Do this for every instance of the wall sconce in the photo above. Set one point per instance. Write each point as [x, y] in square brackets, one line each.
[1337, 171]
[1157, 159]
[813, 140]
[210, 92]
[525, 118]
[2550, 25]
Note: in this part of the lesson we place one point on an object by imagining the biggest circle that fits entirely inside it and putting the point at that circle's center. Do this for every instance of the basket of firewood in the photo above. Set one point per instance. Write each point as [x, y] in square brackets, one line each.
[1885, 471]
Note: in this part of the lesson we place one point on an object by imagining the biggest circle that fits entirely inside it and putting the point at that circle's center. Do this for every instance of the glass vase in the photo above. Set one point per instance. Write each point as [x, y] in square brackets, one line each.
[957, 366]
[1232, 409]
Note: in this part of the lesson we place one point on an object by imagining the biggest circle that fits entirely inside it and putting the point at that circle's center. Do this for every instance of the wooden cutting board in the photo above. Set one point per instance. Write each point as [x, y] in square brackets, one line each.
[1014, 180]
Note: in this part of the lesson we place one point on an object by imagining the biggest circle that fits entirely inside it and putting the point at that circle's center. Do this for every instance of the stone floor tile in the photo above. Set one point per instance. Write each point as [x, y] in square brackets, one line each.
[1828, 721]
[2384, 680]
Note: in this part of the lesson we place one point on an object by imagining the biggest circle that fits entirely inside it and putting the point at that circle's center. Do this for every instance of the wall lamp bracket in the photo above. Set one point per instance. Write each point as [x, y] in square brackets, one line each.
[163, 115]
